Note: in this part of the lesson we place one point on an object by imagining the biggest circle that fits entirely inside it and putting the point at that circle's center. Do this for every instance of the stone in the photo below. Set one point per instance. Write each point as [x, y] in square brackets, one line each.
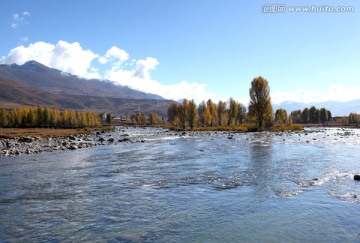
[25, 139]
[357, 177]
[73, 147]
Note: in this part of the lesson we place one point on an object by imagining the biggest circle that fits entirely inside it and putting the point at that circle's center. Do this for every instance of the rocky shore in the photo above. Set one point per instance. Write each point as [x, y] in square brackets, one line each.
[35, 145]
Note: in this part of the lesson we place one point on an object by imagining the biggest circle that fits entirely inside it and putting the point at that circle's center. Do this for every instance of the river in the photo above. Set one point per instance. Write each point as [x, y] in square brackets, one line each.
[207, 187]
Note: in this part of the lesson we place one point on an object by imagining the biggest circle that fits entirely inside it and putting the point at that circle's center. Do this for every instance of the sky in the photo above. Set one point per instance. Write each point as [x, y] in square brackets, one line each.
[193, 49]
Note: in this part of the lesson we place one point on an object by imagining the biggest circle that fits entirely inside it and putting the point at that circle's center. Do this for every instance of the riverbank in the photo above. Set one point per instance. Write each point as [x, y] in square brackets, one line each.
[34, 141]
[17, 141]
[11, 133]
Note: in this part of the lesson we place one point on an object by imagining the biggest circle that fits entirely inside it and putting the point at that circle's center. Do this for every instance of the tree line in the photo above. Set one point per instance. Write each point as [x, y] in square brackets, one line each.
[46, 117]
[305, 116]
[210, 114]
[206, 114]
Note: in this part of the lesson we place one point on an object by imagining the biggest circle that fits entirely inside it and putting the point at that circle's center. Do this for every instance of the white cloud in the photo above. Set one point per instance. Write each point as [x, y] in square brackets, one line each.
[67, 57]
[335, 92]
[18, 19]
[143, 67]
[114, 53]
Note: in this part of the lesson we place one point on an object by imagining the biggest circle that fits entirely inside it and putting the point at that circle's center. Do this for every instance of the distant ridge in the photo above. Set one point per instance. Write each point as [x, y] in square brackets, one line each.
[337, 108]
[38, 75]
[33, 84]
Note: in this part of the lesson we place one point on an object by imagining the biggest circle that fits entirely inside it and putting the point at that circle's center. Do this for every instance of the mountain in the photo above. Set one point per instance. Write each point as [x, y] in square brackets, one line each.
[35, 74]
[337, 108]
[33, 84]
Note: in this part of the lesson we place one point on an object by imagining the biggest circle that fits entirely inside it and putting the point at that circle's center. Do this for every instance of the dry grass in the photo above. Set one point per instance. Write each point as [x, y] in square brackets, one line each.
[39, 132]
[292, 127]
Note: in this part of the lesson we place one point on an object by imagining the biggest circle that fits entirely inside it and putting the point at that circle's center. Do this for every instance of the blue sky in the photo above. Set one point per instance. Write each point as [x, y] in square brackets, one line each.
[192, 49]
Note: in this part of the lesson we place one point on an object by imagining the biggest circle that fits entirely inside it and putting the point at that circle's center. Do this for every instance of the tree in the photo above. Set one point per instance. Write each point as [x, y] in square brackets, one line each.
[329, 115]
[232, 111]
[201, 110]
[3, 117]
[280, 116]
[192, 114]
[323, 115]
[181, 113]
[213, 113]
[153, 118]
[206, 116]
[296, 116]
[172, 113]
[305, 116]
[260, 108]
[221, 110]
[108, 118]
[312, 114]
[241, 113]
[317, 116]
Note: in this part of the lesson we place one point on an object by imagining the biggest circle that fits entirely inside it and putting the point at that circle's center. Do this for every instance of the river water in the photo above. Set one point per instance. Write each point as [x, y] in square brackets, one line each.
[255, 187]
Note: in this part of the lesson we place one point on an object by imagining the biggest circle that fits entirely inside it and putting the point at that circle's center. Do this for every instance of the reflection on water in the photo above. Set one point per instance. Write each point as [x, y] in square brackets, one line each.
[270, 187]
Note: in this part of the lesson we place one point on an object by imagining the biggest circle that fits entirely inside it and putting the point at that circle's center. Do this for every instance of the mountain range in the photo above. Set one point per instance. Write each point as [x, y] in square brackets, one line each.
[337, 108]
[33, 84]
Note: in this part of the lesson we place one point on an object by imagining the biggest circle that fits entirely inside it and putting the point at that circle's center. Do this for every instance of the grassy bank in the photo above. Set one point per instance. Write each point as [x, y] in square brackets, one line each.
[292, 127]
[45, 132]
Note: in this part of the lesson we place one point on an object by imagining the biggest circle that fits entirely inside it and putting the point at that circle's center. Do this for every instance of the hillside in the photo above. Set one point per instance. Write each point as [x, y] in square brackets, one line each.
[33, 84]
[37, 75]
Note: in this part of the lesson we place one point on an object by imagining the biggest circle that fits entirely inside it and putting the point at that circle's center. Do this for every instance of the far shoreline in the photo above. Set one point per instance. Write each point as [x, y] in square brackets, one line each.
[12, 133]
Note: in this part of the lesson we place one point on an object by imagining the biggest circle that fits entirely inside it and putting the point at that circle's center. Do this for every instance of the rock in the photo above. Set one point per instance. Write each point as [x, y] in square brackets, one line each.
[98, 133]
[73, 147]
[357, 177]
[101, 139]
[72, 138]
[125, 135]
[124, 140]
[110, 140]
[28, 151]
[25, 139]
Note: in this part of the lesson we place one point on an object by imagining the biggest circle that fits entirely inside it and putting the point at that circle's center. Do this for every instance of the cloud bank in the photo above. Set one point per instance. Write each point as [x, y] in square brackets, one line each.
[115, 63]
[334, 92]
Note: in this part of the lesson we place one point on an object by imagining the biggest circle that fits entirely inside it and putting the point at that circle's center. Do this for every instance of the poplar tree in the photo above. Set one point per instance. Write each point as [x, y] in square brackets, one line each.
[192, 114]
[260, 108]
[280, 116]
[232, 111]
